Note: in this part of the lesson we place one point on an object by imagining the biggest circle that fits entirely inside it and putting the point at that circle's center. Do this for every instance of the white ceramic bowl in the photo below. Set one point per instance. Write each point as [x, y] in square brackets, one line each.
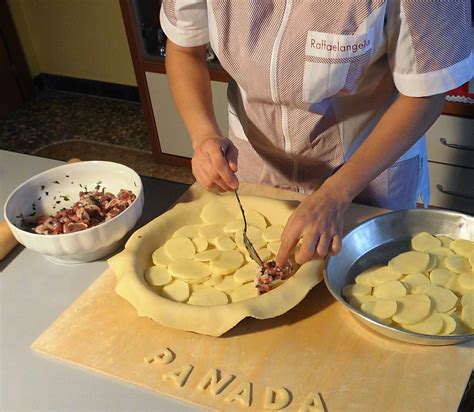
[48, 192]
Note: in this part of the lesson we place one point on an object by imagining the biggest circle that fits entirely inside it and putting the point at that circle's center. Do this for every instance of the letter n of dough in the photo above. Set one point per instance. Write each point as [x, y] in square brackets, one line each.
[216, 381]
[313, 403]
[179, 375]
[241, 394]
[165, 356]
[276, 397]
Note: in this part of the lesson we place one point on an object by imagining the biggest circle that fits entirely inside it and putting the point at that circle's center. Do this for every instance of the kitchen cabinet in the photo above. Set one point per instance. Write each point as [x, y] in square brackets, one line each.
[450, 144]
[168, 137]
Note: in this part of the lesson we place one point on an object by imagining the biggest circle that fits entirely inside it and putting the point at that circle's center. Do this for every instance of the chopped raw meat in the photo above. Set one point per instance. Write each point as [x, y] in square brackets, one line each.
[92, 209]
[269, 273]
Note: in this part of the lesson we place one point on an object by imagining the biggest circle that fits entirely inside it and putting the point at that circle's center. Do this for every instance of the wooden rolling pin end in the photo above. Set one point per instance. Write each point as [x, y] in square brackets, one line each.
[7, 240]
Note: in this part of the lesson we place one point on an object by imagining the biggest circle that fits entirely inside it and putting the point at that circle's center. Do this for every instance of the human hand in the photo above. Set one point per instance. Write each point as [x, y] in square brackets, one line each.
[214, 164]
[318, 221]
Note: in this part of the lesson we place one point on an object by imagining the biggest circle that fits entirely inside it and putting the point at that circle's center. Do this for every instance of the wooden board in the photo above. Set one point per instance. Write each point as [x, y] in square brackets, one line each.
[316, 348]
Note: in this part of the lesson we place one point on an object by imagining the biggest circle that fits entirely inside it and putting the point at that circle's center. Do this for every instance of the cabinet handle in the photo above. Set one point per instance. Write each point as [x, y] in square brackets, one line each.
[455, 146]
[448, 192]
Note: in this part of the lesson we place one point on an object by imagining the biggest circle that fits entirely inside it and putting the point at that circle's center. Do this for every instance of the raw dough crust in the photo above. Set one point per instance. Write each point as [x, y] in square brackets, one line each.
[129, 267]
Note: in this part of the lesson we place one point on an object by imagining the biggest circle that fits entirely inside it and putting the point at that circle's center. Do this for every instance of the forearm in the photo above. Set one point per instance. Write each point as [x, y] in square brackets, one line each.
[190, 86]
[399, 128]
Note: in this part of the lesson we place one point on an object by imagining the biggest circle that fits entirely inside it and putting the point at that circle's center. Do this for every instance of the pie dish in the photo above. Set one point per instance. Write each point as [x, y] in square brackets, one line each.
[131, 264]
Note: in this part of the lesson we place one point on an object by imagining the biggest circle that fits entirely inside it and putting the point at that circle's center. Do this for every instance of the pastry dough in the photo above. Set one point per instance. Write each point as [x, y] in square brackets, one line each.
[130, 265]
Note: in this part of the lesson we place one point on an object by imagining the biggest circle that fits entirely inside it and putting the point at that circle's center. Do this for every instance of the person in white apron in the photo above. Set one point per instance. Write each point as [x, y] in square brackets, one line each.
[329, 98]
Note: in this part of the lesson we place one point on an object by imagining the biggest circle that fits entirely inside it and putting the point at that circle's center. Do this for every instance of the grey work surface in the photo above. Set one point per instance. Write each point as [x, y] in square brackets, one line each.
[34, 292]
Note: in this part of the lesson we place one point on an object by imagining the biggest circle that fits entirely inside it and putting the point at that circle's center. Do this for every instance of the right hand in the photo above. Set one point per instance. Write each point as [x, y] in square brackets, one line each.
[214, 164]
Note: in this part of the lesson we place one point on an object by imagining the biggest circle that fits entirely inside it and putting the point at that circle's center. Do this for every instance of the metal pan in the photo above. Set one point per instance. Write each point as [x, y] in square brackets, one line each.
[381, 238]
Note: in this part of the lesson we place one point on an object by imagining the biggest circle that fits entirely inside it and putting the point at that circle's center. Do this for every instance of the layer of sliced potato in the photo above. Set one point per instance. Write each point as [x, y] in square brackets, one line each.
[428, 290]
[207, 264]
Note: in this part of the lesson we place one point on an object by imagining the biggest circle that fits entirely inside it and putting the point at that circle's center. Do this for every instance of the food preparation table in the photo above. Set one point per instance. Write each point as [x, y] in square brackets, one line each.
[34, 293]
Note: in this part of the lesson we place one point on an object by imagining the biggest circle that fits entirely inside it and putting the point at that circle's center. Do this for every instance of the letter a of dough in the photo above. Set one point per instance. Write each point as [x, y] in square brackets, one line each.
[242, 394]
[216, 381]
[312, 403]
[276, 397]
[179, 375]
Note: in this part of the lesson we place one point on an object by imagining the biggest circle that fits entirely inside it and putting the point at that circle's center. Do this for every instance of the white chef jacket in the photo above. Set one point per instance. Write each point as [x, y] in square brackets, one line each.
[312, 78]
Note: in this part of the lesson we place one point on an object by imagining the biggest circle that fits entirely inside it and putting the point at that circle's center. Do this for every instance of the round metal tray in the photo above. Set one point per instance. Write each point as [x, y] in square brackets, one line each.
[379, 239]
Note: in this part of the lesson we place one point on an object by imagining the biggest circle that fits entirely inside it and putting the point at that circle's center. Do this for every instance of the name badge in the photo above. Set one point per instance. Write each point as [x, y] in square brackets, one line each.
[320, 44]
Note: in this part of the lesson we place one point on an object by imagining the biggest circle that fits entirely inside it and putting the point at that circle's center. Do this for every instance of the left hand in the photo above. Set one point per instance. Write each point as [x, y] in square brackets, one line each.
[318, 221]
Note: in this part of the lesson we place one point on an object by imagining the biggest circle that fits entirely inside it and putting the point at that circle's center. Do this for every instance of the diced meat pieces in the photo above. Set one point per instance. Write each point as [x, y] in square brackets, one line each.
[92, 209]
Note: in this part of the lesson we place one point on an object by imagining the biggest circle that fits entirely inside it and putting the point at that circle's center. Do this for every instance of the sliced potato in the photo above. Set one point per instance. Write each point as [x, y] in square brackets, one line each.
[160, 257]
[385, 309]
[216, 212]
[390, 290]
[208, 296]
[264, 254]
[449, 324]
[413, 281]
[441, 277]
[272, 233]
[457, 264]
[200, 244]
[365, 277]
[207, 255]
[223, 242]
[412, 309]
[228, 284]
[358, 300]
[213, 280]
[210, 231]
[158, 276]
[441, 251]
[233, 226]
[445, 240]
[244, 292]
[467, 315]
[357, 289]
[462, 247]
[468, 298]
[246, 273]
[227, 262]
[442, 299]
[432, 325]
[454, 285]
[424, 241]
[180, 248]
[384, 274]
[274, 247]
[187, 269]
[466, 280]
[255, 218]
[433, 263]
[177, 290]
[410, 262]
[255, 236]
[471, 260]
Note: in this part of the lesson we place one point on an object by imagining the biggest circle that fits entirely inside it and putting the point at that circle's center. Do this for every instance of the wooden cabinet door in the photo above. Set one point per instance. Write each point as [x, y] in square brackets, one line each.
[16, 86]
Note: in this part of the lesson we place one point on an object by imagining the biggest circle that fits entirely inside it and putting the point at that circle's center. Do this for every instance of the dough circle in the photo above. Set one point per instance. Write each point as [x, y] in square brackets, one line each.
[130, 265]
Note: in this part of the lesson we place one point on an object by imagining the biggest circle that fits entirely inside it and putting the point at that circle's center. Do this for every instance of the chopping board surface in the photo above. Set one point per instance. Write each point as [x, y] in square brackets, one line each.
[315, 357]
[316, 348]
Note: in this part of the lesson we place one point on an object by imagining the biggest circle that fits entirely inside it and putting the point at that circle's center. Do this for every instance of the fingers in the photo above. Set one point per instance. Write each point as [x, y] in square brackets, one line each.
[211, 167]
[336, 245]
[221, 171]
[232, 154]
[289, 240]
